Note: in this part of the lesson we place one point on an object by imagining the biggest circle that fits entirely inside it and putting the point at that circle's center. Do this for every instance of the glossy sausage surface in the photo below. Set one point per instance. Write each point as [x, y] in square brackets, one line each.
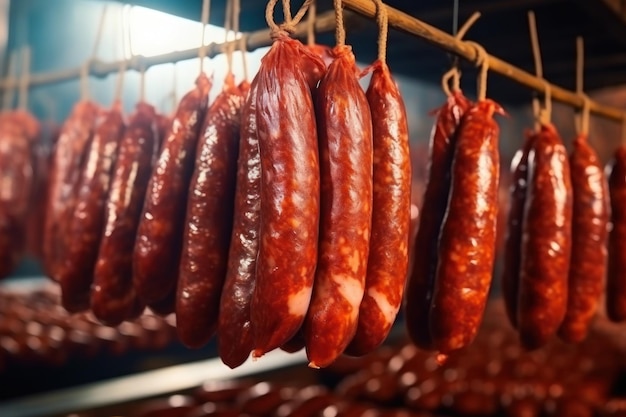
[346, 165]
[387, 261]
[289, 213]
[467, 240]
[418, 294]
[159, 236]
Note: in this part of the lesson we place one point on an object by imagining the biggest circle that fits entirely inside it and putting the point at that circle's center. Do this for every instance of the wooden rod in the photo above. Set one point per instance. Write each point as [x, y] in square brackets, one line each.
[406, 23]
[325, 23]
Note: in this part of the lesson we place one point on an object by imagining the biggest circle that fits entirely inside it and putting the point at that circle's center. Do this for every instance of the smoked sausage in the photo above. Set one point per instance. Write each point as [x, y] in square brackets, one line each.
[467, 241]
[113, 297]
[17, 179]
[86, 224]
[235, 336]
[208, 223]
[418, 294]
[345, 141]
[616, 274]
[590, 217]
[513, 240]
[69, 156]
[546, 240]
[159, 235]
[289, 212]
[388, 259]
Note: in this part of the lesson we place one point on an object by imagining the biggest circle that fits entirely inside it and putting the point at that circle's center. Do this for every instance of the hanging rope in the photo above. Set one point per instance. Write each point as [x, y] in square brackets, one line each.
[25, 80]
[454, 73]
[228, 47]
[383, 29]
[310, 29]
[340, 31]
[204, 18]
[9, 93]
[482, 61]
[542, 115]
[581, 119]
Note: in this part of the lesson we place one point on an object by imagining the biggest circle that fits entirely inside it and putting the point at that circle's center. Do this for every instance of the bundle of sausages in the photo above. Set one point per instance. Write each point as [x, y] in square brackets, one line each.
[556, 244]
[455, 243]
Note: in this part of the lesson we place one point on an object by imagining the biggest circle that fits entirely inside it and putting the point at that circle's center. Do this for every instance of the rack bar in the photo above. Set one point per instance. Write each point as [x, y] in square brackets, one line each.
[411, 25]
[325, 22]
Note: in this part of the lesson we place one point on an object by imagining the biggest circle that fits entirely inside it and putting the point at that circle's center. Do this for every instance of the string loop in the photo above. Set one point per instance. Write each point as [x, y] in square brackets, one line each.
[482, 61]
[289, 25]
[454, 73]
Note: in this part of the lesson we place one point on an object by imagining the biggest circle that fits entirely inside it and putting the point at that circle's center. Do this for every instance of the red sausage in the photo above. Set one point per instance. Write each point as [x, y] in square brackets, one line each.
[391, 213]
[17, 179]
[113, 298]
[513, 242]
[289, 210]
[616, 274]
[590, 217]
[86, 224]
[467, 240]
[418, 294]
[546, 240]
[159, 235]
[69, 156]
[345, 138]
[208, 223]
[235, 336]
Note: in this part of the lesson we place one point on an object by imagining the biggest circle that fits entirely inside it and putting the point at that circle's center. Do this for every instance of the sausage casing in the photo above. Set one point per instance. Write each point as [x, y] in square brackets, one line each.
[513, 240]
[467, 240]
[69, 156]
[159, 235]
[418, 294]
[87, 222]
[387, 261]
[113, 298]
[208, 223]
[235, 336]
[345, 140]
[546, 240]
[590, 217]
[616, 273]
[290, 175]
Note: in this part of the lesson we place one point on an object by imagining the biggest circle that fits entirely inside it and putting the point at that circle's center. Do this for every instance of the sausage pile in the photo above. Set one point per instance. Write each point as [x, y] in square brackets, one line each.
[493, 377]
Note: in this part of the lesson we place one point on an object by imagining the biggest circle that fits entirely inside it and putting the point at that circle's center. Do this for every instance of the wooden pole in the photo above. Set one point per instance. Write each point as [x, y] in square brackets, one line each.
[325, 23]
[406, 23]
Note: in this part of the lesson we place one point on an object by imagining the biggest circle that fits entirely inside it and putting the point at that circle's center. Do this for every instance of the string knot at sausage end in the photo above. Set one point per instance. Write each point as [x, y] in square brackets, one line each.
[313, 365]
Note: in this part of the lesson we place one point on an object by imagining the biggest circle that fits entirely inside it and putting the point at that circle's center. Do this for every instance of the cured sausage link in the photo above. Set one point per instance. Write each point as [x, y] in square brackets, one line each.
[513, 240]
[418, 294]
[590, 216]
[69, 155]
[159, 236]
[208, 223]
[391, 213]
[235, 336]
[546, 240]
[467, 239]
[87, 222]
[113, 298]
[345, 140]
[288, 230]
[616, 274]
